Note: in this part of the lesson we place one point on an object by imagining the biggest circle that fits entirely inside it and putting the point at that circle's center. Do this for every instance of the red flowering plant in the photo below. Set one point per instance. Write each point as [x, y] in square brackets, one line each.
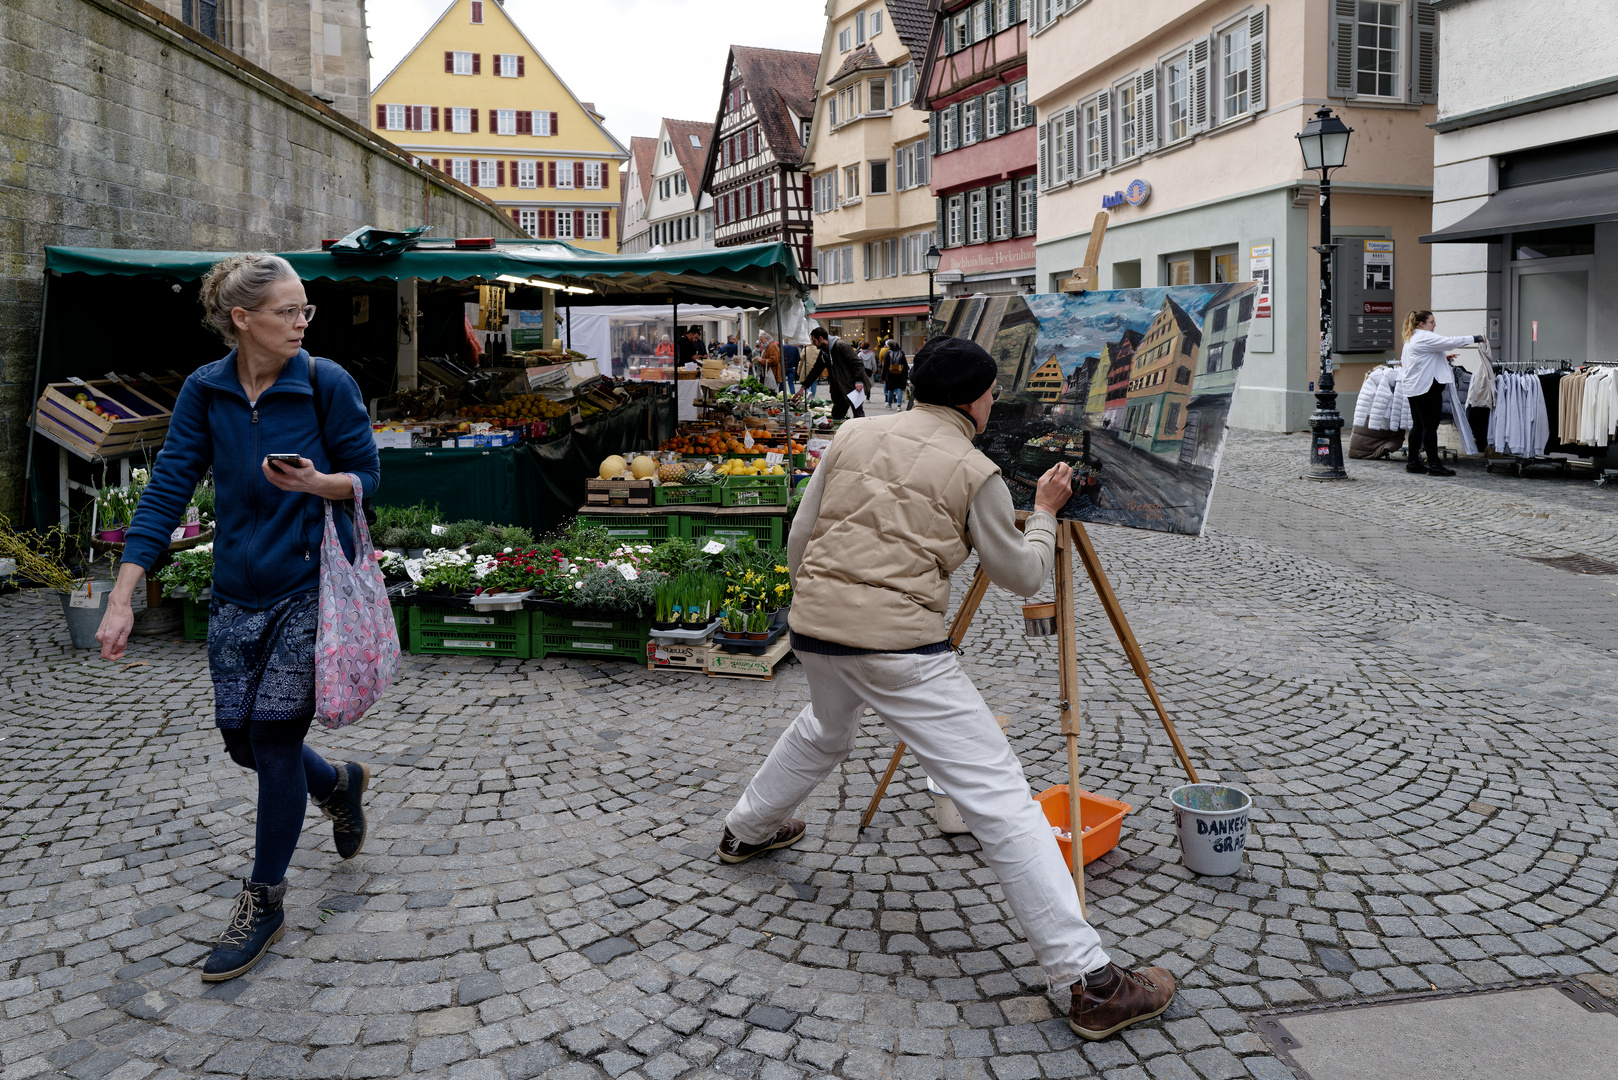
[513, 571]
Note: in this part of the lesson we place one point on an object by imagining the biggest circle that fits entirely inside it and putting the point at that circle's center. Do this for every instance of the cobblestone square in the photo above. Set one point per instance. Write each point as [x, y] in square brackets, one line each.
[1423, 716]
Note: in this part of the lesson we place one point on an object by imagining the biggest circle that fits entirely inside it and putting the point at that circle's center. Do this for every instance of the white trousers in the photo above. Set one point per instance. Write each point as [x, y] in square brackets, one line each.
[928, 701]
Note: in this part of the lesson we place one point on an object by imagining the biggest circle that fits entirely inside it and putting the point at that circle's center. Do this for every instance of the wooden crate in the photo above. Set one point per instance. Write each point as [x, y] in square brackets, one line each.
[618, 492]
[145, 426]
[726, 665]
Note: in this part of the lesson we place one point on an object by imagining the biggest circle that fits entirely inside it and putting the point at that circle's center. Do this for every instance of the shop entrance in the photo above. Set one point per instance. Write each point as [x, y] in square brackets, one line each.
[1552, 309]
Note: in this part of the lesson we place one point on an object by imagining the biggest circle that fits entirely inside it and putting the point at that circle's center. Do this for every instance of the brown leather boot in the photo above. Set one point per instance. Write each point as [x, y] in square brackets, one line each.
[1117, 998]
[732, 850]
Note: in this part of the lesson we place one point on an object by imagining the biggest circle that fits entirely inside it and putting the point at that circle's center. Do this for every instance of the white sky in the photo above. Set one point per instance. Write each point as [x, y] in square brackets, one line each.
[637, 60]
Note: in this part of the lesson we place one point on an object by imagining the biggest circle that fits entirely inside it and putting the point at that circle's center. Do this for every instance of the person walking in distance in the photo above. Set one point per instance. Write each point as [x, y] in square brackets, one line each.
[895, 506]
[1425, 361]
[265, 397]
[808, 383]
[895, 372]
[843, 368]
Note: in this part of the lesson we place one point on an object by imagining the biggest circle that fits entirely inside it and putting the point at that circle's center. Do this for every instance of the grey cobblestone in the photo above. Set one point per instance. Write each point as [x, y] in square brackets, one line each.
[1432, 777]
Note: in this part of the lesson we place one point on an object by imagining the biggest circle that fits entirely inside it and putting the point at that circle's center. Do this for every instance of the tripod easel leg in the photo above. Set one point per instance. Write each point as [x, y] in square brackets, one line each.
[1068, 684]
[1126, 637]
[957, 634]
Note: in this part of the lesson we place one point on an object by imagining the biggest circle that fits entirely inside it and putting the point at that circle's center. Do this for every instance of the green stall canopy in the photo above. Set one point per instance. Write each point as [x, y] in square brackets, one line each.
[749, 275]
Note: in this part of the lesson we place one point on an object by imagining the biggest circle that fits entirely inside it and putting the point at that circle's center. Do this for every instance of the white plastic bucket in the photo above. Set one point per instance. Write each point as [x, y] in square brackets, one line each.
[944, 810]
[1212, 820]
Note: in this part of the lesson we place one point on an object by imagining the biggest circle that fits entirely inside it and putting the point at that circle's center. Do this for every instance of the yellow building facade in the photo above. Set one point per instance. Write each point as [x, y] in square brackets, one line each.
[1046, 382]
[475, 99]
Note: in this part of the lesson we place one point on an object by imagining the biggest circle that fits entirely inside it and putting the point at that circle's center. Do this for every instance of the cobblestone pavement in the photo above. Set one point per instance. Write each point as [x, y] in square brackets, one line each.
[1433, 780]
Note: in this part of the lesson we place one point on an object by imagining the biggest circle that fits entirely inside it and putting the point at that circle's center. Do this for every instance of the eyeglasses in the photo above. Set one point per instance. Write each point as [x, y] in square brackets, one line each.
[290, 314]
[994, 392]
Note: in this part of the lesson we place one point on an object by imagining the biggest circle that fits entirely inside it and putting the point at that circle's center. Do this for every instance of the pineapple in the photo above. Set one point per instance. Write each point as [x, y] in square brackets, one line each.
[671, 472]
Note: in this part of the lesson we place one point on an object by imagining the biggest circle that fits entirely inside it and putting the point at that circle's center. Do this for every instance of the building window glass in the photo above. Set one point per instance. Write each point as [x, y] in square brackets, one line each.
[1127, 140]
[592, 225]
[1376, 50]
[955, 220]
[1001, 212]
[972, 121]
[463, 63]
[1216, 356]
[594, 174]
[879, 178]
[845, 39]
[877, 95]
[487, 172]
[976, 217]
[1234, 56]
[460, 121]
[461, 169]
[528, 220]
[851, 182]
[1027, 205]
[505, 122]
[946, 130]
[1021, 114]
[822, 193]
[507, 66]
[564, 224]
[1177, 102]
[564, 174]
[396, 117]
[907, 83]
[980, 20]
[527, 174]
[876, 22]
[1092, 137]
[963, 31]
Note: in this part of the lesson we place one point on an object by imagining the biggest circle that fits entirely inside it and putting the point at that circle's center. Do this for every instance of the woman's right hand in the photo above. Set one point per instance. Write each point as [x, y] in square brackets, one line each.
[116, 625]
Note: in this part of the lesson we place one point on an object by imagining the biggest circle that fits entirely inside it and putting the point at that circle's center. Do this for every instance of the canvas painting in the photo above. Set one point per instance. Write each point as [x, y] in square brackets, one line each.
[1131, 387]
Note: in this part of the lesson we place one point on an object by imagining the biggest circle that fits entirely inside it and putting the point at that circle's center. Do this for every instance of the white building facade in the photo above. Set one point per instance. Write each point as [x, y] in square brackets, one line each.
[679, 217]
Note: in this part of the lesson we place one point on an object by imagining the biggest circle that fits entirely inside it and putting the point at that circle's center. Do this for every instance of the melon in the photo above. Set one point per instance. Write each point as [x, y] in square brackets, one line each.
[643, 467]
[613, 466]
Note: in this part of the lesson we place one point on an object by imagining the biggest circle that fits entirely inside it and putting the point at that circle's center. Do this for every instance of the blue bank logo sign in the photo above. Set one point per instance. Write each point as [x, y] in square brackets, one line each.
[1135, 194]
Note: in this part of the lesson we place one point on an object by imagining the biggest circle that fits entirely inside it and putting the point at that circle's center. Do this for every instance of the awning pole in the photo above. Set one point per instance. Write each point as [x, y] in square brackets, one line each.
[781, 351]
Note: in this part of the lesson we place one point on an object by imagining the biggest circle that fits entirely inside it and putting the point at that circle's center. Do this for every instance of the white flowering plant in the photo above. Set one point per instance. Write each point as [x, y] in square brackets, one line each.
[446, 569]
[190, 572]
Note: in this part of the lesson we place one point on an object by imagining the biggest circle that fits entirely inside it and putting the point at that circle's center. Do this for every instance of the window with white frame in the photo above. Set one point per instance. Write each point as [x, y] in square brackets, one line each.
[851, 182]
[804, 124]
[874, 25]
[564, 224]
[845, 39]
[825, 198]
[846, 257]
[913, 252]
[955, 220]
[463, 63]
[1022, 114]
[1094, 148]
[1177, 98]
[592, 225]
[1000, 210]
[1234, 58]
[1127, 137]
[971, 121]
[461, 169]
[564, 174]
[396, 118]
[505, 122]
[905, 90]
[528, 220]
[994, 120]
[910, 165]
[1376, 50]
[595, 175]
[962, 28]
[527, 174]
[977, 223]
[488, 171]
[1008, 13]
[1027, 205]
[879, 178]
[542, 123]
[859, 28]
[947, 140]
[680, 185]
[881, 259]
[981, 13]
[507, 64]
[848, 104]
[876, 94]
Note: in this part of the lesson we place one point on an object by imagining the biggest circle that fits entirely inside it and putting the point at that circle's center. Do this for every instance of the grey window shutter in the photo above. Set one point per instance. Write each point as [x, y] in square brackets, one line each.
[1070, 151]
[1423, 65]
[1104, 114]
[1004, 109]
[1340, 49]
[1043, 162]
[942, 236]
[1257, 76]
[1200, 89]
[957, 115]
[932, 132]
[1146, 111]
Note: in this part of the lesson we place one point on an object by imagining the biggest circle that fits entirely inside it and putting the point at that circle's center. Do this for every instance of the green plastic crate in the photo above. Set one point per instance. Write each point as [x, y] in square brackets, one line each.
[687, 495]
[550, 622]
[196, 620]
[597, 643]
[648, 528]
[766, 529]
[401, 624]
[463, 631]
[753, 491]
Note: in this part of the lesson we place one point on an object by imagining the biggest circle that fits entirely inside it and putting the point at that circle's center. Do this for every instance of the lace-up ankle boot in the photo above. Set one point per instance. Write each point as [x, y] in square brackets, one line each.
[1111, 999]
[256, 922]
[345, 810]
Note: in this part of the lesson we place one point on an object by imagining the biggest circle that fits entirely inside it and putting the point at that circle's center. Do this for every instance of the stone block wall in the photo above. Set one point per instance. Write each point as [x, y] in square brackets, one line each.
[120, 130]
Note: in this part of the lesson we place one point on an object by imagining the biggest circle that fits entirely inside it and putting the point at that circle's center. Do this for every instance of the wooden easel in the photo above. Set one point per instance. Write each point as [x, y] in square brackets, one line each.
[1069, 534]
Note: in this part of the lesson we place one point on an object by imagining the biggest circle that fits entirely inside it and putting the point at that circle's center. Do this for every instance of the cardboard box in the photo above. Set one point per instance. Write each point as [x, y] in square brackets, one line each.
[618, 493]
[676, 657]
[392, 440]
[746, 665]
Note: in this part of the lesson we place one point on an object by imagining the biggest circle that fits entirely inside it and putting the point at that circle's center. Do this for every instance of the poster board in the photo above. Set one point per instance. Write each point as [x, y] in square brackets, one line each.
[1131, 387]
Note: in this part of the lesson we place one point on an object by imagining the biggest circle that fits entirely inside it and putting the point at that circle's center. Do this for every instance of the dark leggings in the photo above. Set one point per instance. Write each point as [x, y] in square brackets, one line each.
[288, 773]
[1425, 410]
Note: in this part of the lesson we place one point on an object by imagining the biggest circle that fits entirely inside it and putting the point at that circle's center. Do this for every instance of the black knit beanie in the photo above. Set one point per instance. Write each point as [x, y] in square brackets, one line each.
[952, 371]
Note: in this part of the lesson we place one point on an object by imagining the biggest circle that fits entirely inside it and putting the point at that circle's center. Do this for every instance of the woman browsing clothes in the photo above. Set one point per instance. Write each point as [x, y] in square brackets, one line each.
[1425, 361]
[276, 453]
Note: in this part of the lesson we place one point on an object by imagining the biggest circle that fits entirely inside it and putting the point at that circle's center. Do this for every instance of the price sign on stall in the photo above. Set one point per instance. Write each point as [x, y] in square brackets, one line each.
[747, 438]
[575, 416]
[772, 458]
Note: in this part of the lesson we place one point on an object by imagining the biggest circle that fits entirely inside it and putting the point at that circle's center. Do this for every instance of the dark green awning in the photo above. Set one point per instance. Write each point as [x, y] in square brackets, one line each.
[747, 274]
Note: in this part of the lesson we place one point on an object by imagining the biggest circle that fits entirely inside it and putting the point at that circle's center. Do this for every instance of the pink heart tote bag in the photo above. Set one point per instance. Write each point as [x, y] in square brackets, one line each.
[357, 645]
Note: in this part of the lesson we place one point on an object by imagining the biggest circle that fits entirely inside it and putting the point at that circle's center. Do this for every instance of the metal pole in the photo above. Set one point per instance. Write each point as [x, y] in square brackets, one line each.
[1326, 447]
[31, 496]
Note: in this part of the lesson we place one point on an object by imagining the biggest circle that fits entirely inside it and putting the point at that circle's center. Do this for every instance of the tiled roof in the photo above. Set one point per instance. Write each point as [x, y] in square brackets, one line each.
[779, 81]
[642, 149]
[914, 21]
[859, 60]
[691, 158]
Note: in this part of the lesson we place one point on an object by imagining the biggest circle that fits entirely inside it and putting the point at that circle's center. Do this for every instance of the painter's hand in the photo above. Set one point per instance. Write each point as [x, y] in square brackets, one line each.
[1055, 489]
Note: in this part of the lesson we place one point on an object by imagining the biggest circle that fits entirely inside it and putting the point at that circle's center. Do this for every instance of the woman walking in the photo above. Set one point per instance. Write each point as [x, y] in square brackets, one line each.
[895, 374]
[1425, 361]
[266, 397]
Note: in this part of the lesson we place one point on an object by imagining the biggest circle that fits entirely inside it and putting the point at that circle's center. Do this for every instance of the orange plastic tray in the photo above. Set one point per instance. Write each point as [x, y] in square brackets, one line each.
[1103, 820]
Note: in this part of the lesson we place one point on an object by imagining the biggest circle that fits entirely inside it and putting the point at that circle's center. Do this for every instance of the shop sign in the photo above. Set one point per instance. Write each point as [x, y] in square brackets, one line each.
[1260, 259]
[1377, 307]
[1135, 194]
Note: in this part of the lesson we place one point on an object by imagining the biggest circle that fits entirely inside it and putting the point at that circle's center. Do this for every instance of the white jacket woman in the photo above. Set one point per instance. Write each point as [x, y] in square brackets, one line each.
[1425, 359]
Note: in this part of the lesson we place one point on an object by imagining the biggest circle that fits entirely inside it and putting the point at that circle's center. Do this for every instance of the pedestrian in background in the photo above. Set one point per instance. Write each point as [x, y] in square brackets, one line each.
[264, 613]
[896, 373]
[842, 366]
[867, 357]
[1425, 361]
[806, 377]
[790, 358]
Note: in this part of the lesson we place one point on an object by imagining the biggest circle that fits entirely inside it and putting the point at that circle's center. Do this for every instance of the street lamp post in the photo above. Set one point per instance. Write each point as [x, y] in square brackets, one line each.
[1324, 142]
[932, 259]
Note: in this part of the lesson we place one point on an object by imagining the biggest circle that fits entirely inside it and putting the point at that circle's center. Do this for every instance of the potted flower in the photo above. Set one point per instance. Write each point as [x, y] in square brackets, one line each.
[446, 572]
[758, 625]
[735, 623]
[115, 509]
[189, 574]
[664, 607]
[48, 558]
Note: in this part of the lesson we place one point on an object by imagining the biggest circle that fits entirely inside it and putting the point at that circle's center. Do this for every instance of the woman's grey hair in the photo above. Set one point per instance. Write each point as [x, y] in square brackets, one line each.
[239, 281]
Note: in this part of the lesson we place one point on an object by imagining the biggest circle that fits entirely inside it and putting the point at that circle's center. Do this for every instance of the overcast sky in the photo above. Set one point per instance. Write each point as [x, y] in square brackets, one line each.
[637, 60]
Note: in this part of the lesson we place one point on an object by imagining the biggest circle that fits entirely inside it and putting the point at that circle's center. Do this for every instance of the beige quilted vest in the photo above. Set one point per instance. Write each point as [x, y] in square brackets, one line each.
[892, 528]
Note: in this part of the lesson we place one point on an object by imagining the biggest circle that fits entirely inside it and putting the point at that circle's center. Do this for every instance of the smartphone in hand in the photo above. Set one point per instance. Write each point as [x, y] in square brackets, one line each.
[284, 459]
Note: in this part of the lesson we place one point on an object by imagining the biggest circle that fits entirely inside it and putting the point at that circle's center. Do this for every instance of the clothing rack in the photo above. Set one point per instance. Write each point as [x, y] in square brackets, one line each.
[1562, 460]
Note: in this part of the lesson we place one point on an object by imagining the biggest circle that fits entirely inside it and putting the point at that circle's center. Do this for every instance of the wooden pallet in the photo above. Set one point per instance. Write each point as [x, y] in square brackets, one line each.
[724, 665]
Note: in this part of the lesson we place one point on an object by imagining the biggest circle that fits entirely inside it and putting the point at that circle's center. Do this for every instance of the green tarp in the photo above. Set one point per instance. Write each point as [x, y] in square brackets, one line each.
[747, 274]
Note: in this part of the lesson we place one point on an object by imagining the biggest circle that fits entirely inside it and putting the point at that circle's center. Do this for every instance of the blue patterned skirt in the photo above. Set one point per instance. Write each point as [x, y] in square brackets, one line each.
[263, 662]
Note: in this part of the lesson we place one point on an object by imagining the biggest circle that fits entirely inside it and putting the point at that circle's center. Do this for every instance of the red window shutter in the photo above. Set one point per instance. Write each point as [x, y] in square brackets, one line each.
[513, 174]
[474, 113]
[606, 224]
[496, 59]
[474, 172]
[525, 122]
[500, 174]
[578, 224]
[550, 223]
[552, 171]
[382, 116]
[578, 174]
[516, 217]
[494, 121]
[435, 164]
[520, 72]
[554, 129]
[449, 62]
[477, 11]
[747, 201]
[435, 117]
[477, 63]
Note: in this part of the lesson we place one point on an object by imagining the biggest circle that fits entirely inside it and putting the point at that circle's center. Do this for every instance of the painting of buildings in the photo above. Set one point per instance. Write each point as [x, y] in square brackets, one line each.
[1133, 392]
